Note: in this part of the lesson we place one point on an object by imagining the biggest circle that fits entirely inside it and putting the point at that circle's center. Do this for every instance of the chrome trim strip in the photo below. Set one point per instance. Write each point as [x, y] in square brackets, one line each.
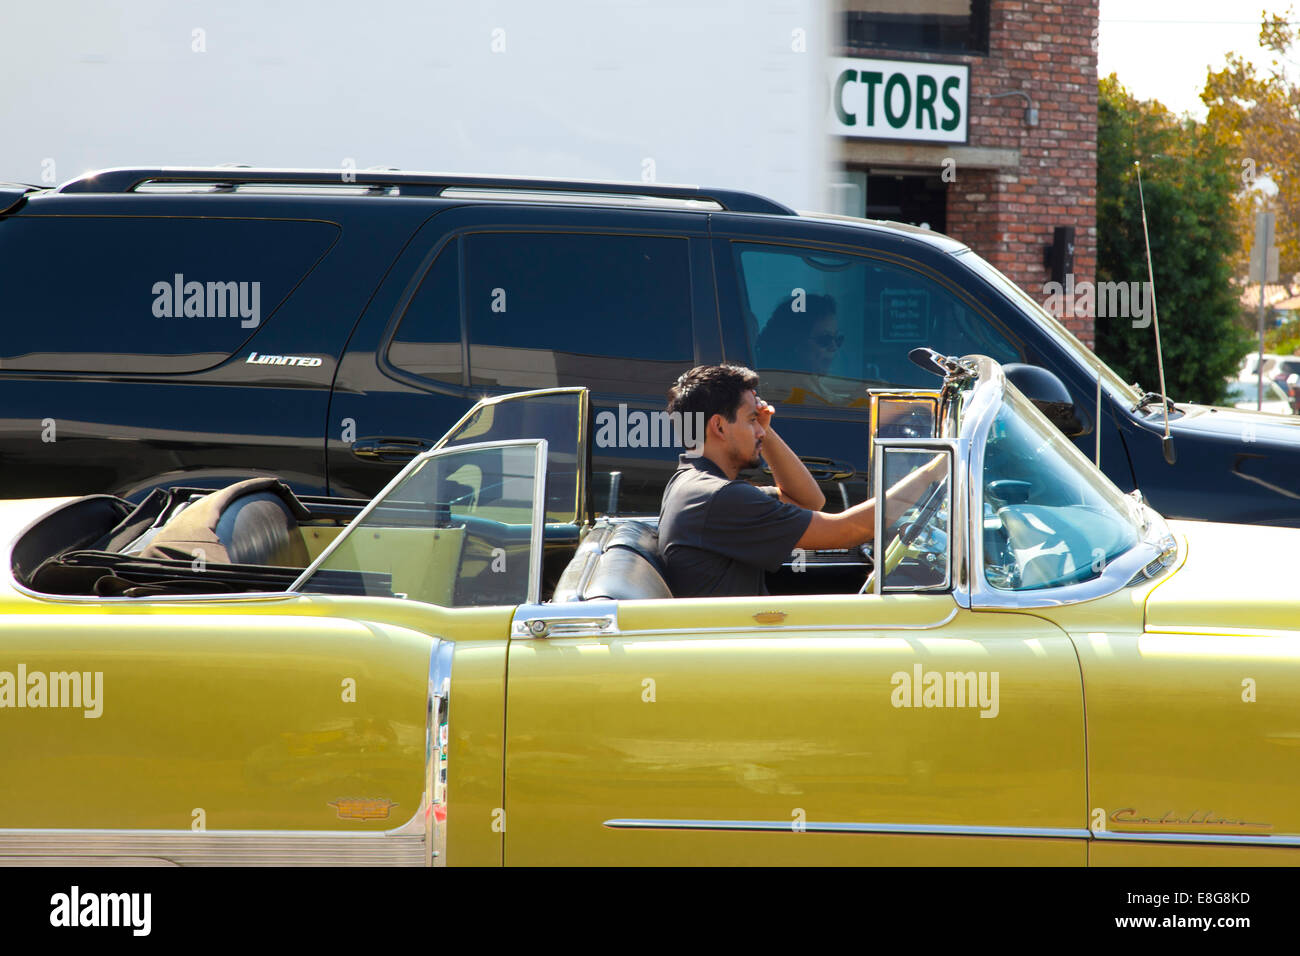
[534, 595]
[878, 543]
[437, 743]
[1215, 630]
[939, 829]
[156, 599]
[1217, 839]
[600, 619]
[777, 628]
[398, 847]
[811, 826]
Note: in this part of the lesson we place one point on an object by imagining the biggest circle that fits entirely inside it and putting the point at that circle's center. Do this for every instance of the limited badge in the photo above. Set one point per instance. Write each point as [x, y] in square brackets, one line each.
[362, 809]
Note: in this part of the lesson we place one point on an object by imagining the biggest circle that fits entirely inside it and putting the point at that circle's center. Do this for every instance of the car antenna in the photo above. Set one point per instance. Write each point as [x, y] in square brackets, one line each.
[1166, 443]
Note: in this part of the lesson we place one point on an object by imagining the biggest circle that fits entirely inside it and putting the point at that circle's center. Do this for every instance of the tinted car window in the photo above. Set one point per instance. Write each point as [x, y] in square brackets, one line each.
[542, 306]
[823, 327]
[427, 340]
[122, 294]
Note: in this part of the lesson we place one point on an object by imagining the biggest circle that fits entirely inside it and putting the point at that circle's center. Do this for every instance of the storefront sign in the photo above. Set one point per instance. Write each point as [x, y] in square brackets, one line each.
[898, 99]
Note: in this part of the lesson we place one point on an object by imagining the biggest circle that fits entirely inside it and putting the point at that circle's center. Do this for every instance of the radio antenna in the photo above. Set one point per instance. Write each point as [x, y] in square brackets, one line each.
[1166, 443]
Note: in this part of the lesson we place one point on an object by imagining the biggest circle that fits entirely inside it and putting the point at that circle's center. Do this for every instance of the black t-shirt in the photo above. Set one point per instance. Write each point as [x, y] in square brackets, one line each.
[718, 535]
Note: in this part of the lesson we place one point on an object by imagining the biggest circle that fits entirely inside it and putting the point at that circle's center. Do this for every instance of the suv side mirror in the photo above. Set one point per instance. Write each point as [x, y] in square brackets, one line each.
[1047, 393]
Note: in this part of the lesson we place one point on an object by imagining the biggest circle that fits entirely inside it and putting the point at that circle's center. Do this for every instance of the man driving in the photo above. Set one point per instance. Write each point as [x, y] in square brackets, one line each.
[717, 534]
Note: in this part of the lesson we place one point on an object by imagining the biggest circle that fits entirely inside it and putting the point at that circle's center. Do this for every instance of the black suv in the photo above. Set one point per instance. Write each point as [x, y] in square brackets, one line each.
[207, 325]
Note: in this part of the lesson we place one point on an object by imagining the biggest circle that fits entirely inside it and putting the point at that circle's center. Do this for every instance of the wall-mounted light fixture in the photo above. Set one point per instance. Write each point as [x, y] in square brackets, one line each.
[1031, 108]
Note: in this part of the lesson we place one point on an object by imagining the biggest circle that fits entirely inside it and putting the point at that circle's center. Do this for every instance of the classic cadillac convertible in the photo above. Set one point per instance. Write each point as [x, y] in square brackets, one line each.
[1030, 668]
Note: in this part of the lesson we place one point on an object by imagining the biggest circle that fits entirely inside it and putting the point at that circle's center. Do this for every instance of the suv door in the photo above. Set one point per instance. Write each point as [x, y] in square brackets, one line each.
[508, 297]
[825, 312]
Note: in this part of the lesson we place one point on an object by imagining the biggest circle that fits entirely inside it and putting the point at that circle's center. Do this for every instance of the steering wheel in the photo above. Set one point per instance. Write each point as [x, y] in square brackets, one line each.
[900, 546]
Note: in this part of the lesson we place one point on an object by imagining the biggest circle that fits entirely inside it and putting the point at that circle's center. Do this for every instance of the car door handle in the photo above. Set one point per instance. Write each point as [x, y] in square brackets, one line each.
[543, 627]
[389, 449]
[824, 469]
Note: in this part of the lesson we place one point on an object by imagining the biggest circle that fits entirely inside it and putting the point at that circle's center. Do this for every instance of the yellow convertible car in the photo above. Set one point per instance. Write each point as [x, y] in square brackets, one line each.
[1031, 668]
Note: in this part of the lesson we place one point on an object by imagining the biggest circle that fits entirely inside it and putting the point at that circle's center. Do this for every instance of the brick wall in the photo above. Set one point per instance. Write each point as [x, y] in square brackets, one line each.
[1007, 215]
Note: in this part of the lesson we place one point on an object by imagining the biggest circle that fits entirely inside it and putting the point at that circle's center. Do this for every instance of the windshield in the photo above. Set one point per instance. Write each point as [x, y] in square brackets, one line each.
[1120, 390]
[1049, 517]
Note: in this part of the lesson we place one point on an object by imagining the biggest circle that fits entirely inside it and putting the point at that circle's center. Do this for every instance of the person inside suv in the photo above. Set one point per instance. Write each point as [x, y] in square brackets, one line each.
[797, 347]
[718, 535]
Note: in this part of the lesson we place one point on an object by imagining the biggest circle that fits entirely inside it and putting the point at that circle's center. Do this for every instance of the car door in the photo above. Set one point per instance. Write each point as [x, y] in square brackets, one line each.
[510, 297]
[893, 726]
[791, 730]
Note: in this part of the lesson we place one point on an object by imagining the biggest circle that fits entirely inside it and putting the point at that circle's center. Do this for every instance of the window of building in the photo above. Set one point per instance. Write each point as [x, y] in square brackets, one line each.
[918, 200]
[127, 294]
[824, 327]
[427, 341]
[943, 26]
[541, 307]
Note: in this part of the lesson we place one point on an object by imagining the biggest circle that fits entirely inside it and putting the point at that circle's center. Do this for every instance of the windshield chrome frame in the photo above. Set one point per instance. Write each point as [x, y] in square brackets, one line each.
[539, 509]
[958, 452]
[981, 410]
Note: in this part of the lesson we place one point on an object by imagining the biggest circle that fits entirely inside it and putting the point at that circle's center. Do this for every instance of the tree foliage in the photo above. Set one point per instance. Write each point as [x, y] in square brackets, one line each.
[1189, 182]
[1256, 116]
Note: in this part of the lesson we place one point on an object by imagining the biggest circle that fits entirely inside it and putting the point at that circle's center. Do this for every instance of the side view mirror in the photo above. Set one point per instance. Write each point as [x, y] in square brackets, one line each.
[901, 414]
[1045, 390]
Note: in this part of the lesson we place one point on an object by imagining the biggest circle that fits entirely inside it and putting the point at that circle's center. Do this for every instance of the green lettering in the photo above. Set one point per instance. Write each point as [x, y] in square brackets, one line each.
[951, 122]
[897, 81]
[926, 91]
[871, 79]
[847, 118]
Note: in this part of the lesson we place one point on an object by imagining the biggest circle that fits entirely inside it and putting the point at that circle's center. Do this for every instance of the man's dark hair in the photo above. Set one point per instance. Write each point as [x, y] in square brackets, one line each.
[712, 390]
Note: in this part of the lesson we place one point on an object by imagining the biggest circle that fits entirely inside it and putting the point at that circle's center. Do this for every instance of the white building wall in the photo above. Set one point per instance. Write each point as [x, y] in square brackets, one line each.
[711, 92]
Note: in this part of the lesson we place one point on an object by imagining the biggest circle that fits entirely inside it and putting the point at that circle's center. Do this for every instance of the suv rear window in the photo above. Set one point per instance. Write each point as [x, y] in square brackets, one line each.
[126, 294]
[541, 306]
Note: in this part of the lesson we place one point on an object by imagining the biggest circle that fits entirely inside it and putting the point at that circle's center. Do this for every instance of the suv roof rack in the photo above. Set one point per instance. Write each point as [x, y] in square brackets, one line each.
[13, 194]
[228, 178]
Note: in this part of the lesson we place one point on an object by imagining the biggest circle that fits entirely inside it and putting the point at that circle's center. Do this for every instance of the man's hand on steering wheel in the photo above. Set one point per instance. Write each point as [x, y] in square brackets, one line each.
[931, 497]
